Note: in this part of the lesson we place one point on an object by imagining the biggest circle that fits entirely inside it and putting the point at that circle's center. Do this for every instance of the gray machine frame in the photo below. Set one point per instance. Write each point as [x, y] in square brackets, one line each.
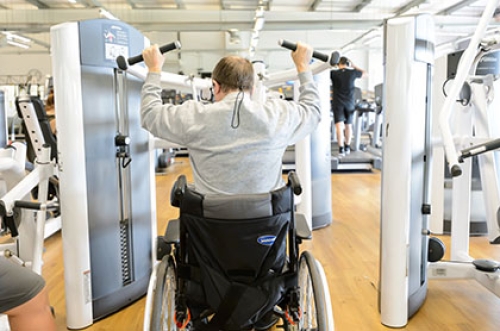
[106, 176]
[405, 208]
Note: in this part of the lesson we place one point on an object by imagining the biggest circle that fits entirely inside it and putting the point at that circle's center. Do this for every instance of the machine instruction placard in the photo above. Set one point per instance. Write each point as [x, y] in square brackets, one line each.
[116, 41]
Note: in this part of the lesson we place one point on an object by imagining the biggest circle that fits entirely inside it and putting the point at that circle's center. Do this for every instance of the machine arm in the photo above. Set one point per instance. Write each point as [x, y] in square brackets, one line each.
[125, 63]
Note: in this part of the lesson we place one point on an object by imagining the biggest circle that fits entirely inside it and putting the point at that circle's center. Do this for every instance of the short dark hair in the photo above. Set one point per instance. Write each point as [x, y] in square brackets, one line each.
[234, 73]
[50, 99]
[343, 60]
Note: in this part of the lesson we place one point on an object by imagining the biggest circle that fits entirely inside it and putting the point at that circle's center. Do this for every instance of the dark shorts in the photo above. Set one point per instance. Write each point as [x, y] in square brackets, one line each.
[341, 113]
[18, 285]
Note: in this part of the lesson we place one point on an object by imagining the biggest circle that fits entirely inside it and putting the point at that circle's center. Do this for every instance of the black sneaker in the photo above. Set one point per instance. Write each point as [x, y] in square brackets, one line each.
[347, 149]
[341, 151]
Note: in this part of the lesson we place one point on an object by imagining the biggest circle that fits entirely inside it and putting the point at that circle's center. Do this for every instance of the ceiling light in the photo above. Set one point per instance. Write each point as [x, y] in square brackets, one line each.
[259, 24]
[15, 40]
[13, 36]
[20, 45]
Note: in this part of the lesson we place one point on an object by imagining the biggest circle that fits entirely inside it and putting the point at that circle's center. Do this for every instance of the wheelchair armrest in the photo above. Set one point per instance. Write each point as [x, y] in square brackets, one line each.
[302, 230]
[178, 191]
[294, 183]
[172, 234]
[164, 243]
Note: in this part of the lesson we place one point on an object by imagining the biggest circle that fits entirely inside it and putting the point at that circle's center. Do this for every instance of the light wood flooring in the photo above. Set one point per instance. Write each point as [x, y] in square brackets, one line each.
[349, 252]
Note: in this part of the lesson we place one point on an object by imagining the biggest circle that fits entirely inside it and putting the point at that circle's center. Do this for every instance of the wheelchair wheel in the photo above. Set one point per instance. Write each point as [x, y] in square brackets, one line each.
[163, 307]
[312, 295]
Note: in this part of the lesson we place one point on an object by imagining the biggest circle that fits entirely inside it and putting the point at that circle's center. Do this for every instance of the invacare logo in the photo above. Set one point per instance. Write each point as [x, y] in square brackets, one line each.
[267, 240]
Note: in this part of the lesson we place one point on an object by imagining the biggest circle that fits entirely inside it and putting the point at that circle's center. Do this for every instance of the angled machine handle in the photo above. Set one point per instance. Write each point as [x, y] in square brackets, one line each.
[124, 63]
[293, 46]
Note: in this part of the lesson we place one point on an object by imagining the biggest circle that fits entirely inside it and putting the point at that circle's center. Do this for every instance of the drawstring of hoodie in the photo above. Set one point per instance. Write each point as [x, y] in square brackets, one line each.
[235, 120]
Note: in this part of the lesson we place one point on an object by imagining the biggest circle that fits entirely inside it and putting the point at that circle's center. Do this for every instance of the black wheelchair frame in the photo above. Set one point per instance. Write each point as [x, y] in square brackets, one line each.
[288, 278]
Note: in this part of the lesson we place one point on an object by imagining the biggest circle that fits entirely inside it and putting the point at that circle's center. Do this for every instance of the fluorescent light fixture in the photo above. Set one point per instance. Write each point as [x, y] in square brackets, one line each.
[15, 40]
[72, 1]
[259, 24]
[13, 36]
[259, 12]
[20, 45]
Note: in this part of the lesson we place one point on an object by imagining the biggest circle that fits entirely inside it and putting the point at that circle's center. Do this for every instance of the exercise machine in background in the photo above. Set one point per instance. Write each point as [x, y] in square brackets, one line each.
[409, 257]
[478, 136]
[28, 222]
[105, 168]
[310, 157]
[475, 121]
[405, 199]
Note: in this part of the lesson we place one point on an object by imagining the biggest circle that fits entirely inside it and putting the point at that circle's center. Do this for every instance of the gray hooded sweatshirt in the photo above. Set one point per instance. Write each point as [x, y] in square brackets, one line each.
[241, 159]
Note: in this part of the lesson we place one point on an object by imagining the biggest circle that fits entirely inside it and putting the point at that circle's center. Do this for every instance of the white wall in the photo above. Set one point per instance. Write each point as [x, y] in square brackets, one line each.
[21, 64]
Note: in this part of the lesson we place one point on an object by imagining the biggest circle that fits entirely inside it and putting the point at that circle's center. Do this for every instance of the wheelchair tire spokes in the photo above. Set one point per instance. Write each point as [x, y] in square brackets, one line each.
[312, 300]
[162, 316]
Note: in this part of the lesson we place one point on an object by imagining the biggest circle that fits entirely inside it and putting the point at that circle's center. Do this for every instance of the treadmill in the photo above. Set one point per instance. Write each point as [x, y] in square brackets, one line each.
[358, 158]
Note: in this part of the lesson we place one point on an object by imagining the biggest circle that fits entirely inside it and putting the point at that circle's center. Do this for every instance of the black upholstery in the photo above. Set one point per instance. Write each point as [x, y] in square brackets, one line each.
[234, 256]
[44, 123]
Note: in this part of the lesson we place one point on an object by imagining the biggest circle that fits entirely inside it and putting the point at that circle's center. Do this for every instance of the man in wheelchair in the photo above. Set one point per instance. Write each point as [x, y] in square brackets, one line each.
[231, 261]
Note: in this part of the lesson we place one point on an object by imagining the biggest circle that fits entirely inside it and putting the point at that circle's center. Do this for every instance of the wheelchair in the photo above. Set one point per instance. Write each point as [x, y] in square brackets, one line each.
[231, 262]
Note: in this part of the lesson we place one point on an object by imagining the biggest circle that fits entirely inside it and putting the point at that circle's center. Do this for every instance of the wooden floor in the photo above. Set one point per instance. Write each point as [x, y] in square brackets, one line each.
[349, 252]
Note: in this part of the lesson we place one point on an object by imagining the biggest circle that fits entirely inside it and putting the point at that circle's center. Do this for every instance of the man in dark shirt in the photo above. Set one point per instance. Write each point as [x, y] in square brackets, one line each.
[343, 101]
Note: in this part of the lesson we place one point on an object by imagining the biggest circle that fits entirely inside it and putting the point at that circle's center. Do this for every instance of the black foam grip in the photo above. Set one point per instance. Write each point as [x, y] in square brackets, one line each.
[456, 170]
[293, 46]
[335, 58]
[124, 63]
[294, 182]
[27, 204]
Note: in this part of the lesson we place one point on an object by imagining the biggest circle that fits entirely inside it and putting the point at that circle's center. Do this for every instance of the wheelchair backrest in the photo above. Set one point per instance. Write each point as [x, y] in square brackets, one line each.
[244, 236]
[237, 252]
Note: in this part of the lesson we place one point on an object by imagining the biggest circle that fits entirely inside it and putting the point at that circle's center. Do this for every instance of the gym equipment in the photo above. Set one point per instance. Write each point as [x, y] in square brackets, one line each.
[317, 55]
[3, 120]
[375, 146]
[405, 206]
[123, 63]
[106, 169]
[462, 265]
[309, 157]
[256, 279]
[405, 246]
[358, 158]
[28, 228]
[474, 122]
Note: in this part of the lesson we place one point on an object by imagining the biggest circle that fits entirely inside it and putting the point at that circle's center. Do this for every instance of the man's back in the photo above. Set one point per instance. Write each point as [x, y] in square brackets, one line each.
[343, 84]
[246, 158]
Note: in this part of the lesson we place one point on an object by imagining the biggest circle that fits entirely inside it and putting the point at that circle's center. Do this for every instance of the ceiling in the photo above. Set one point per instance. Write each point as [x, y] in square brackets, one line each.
[356, 21]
